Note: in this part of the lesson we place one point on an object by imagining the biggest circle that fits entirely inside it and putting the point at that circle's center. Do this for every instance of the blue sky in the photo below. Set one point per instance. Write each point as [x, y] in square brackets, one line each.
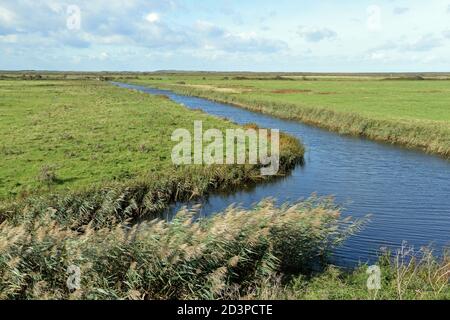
[228, 35]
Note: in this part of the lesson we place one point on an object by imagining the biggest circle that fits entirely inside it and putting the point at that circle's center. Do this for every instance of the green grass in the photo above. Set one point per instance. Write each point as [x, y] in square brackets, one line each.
[405, 275]
[71, 134]
[415, 113]
[98, 153]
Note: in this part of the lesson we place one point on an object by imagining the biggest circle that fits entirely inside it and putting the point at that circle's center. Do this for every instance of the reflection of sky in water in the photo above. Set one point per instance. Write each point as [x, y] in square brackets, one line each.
[407, 192]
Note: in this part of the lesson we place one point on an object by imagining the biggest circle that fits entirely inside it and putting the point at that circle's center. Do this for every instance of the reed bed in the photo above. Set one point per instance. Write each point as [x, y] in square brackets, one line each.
[223, 257]
[267, 252]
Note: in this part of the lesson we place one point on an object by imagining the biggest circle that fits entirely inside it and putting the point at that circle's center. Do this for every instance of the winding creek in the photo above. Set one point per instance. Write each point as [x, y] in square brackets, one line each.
[407, 192]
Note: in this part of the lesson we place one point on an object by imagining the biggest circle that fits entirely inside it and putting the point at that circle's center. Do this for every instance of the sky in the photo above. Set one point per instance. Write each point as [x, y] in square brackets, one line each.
[226, 35]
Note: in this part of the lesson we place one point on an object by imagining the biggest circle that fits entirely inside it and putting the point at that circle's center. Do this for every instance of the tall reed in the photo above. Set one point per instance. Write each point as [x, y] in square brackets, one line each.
[222, 257]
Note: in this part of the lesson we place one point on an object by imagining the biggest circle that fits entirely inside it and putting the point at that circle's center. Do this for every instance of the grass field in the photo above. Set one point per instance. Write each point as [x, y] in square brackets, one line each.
[85, 132]
[96, 151]
[69, 134]
[411, 112]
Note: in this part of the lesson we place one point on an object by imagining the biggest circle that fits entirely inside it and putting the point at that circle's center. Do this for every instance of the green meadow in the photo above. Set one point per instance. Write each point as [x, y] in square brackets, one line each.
[71, 134]
[412, 111]
[102, 154]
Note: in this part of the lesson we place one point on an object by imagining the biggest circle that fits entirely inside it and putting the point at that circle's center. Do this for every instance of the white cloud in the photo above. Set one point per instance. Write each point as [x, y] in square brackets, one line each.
[395, 57]
[215, 37]
[429, 58]
[9, 38]
[250, 42]
[101, 56]
[209, 28]
[56, 7]
[7, 17]
[423, 43]
[104, 55]
[152, 17]
[185, 34]
[316, 34]
[377, 56]
[383, 57]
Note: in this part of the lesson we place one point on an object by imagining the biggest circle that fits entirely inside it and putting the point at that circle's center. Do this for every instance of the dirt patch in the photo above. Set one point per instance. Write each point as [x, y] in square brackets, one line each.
[290, 91]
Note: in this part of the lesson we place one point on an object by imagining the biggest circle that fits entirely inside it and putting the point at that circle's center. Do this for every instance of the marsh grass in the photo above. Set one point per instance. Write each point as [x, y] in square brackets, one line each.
[144, 197]
[406, 274]
[222, 257]
[268, 252]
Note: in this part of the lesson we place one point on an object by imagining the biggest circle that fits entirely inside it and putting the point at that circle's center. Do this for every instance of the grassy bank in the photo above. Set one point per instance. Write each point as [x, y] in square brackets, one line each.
[112, 203]
[405, 275]
[96, 153]
[264, 253]
[59, 135]
[413, 113]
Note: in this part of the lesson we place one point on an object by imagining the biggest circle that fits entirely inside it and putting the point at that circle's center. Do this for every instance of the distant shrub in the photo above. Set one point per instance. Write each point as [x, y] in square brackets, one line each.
[241, 78]
[31, 77]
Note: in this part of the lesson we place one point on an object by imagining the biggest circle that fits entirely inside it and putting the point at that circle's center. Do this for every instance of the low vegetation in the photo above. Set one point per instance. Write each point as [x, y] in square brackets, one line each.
[416, 276]
[264, 253]
[402, 110]
[108, 204]
[99, 154]
[61, 135]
